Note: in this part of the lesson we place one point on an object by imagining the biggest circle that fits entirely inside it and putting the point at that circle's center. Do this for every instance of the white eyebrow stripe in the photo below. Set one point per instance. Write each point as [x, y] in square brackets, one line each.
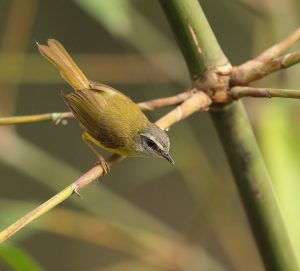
[156, 142]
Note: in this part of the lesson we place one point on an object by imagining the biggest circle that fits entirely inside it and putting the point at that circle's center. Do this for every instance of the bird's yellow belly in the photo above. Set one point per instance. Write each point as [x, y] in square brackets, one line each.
[123, 152]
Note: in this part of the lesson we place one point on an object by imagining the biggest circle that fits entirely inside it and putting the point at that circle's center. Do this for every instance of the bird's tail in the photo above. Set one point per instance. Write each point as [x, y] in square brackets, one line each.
[60, 58]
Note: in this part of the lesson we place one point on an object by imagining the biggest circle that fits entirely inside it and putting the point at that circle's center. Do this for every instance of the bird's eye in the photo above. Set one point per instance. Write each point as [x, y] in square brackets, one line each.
[151, 143]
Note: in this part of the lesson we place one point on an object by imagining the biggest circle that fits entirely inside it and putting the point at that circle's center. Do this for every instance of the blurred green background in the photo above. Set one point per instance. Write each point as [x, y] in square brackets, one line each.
[146, 214]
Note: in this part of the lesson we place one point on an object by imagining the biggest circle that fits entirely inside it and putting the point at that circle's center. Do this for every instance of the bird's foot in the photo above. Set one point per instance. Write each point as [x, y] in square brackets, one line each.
[104, 165]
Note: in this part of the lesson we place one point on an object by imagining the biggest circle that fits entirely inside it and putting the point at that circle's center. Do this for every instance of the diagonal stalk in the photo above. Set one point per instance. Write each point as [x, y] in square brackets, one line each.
[203, 53]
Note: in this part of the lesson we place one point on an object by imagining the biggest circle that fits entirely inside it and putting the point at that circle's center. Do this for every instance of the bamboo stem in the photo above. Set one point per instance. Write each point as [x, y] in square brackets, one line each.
[235, 132]
[255, 188]
[205, 52]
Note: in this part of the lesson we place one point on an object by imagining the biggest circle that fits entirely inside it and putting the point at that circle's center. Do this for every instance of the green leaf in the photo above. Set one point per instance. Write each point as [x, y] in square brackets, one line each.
[18, 260]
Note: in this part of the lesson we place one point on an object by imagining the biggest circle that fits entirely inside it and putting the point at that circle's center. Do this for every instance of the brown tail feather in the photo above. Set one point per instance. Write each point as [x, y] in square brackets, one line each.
[60, 58]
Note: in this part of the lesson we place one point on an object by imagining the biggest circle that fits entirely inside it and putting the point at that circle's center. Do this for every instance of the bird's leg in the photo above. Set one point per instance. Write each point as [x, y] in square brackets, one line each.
[89, 140]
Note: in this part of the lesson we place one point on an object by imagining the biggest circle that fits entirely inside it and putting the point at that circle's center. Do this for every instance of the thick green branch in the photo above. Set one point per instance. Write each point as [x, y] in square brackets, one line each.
[255, 188]
[235, 132]
[195, 37]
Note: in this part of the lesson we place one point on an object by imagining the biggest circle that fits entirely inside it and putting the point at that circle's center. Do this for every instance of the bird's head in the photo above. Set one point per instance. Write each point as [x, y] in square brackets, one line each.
[154, 141]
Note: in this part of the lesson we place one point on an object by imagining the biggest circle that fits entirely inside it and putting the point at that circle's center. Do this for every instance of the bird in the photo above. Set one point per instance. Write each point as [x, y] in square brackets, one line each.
[109, 118]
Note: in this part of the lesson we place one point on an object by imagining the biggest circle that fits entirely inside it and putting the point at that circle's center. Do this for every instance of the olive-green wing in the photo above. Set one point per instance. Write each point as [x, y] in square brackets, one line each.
[91, 109]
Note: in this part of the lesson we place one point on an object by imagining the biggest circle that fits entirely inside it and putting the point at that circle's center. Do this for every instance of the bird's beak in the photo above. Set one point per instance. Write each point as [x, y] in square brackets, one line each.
[168, 157]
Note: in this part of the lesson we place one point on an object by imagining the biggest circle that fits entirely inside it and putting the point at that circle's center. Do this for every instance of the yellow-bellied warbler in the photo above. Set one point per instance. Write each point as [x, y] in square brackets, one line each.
[109, 118]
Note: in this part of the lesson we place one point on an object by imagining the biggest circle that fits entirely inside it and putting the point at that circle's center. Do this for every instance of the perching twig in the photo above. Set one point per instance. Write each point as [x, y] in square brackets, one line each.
[163, 102]
[239, 92]
[267, 62]
[196, 102]
[80, 183]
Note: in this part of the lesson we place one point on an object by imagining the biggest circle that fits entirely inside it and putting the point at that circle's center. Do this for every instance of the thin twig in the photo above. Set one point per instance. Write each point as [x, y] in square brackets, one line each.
[261, 69]
[163, 102]
[55, 117]
[279, 48]
[239, 92]
[198, 101]
[266, 62]
[285, 61]
[62, 116]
